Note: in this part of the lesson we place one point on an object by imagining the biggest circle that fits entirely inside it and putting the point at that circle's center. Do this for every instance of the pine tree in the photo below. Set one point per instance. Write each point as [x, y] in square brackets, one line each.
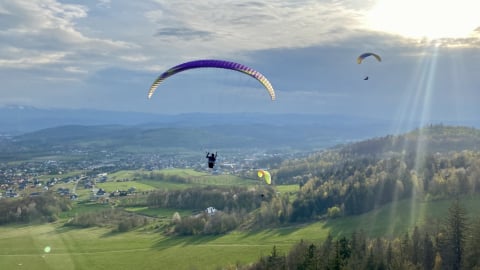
[416, 246]
[405, 247]
[275, 261]
[455, 230]
[428, 253]
[472, 253]
[389, 255]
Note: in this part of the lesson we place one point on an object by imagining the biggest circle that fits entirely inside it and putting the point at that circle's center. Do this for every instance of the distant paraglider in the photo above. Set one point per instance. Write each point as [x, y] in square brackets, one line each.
[365, 55]
[265, 175]
[362, 56]
[213, 64]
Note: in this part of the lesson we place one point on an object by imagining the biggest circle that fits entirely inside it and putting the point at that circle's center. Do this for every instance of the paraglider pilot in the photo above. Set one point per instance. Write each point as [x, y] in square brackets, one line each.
[211, 159]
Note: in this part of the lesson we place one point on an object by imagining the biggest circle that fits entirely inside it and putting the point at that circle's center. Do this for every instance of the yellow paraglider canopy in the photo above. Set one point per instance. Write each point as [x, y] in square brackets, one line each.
[265, 175]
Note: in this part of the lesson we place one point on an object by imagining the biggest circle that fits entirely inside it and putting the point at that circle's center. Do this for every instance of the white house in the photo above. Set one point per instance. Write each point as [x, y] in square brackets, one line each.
[211, 210]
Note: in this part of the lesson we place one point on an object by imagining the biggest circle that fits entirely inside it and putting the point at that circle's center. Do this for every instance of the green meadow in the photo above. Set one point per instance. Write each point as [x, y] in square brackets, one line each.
[23, 247]
[158, 212]
[142, 182]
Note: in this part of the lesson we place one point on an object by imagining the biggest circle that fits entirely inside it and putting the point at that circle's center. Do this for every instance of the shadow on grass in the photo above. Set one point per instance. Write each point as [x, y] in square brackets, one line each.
[111, 233]
[171, 241]
[65, 228]
[69, 228]
[278, 231]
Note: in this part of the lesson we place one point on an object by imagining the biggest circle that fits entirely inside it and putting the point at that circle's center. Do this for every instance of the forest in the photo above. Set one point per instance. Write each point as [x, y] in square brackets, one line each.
[453, 243]
[355, 179]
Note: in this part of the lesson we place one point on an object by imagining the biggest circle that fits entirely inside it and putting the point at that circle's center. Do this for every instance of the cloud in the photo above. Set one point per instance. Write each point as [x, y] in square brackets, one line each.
[33, 60]
[44, 30]
[257, 25]
[158, 34]
[104, 3]
[183, 33]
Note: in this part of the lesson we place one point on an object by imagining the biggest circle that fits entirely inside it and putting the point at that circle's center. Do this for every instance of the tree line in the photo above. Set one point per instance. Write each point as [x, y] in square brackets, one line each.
[453, 245]
[333, 183]
[232, 198]
[41, 208]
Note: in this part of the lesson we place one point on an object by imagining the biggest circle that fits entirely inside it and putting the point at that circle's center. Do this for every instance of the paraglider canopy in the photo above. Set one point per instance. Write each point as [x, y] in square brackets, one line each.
[265, 175]
[365, 55]
[209, 63]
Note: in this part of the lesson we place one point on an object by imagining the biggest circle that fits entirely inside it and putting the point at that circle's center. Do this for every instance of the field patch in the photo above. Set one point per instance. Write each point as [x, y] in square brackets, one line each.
[158, 212]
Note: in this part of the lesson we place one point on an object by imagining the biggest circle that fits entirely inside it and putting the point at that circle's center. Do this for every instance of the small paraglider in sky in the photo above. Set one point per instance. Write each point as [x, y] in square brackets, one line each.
[362, 56]
[365, 55]
[265, 175]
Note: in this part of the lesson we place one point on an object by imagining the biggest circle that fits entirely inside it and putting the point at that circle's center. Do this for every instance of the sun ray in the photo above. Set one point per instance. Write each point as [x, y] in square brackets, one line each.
[417, 110]
[425, 88]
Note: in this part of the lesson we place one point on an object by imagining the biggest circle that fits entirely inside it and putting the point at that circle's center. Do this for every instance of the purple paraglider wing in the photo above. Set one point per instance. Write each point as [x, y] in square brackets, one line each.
[213, 64]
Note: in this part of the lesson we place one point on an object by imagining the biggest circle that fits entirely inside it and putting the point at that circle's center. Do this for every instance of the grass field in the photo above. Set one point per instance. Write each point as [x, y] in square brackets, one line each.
[142, 182]
[158, 212]
[83, 207]
[291, 190]
[287, 188]
[22, 247]
[396, 218]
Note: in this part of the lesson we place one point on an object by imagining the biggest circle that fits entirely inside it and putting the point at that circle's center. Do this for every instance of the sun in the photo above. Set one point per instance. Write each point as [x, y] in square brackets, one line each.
[430, 19]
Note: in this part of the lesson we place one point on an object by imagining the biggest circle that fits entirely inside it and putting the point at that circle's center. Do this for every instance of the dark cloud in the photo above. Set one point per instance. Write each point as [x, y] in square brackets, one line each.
[252, 19]
[182, 33]
[250, 4]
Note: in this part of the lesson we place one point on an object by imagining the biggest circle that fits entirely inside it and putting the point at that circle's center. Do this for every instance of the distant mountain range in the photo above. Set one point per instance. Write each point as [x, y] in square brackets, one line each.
[16, 119]
[35, 127]
[219, 136]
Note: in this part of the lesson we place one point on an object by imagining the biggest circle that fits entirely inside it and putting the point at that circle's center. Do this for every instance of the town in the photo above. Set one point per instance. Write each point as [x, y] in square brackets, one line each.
[80, 167]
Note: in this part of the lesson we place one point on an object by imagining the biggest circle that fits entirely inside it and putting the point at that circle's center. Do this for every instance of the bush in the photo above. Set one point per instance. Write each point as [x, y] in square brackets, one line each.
[334, 212]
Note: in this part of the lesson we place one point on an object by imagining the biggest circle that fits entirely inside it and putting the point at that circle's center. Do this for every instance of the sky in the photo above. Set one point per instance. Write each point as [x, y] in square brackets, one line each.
[103, 54]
